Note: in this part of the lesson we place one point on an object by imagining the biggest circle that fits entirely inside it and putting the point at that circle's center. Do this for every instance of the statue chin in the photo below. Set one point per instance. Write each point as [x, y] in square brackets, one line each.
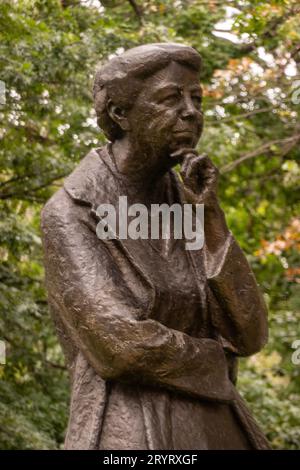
[178, 144]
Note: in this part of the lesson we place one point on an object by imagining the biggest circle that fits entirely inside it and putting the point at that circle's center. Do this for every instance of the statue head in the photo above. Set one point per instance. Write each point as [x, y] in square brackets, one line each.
[152, 95]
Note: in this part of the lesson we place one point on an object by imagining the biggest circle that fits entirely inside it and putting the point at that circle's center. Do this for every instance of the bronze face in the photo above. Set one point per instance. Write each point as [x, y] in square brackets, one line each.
[167, 112]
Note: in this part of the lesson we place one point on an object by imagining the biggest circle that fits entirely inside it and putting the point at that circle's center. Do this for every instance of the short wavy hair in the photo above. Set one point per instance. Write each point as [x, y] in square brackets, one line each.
[121, 78]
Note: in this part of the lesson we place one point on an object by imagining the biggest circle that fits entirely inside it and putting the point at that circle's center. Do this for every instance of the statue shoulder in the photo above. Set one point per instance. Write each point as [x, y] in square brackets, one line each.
[83, 187]
[82, 183]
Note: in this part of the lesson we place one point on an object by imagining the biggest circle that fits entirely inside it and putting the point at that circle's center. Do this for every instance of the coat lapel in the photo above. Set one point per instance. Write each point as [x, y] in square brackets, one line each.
[91, 184]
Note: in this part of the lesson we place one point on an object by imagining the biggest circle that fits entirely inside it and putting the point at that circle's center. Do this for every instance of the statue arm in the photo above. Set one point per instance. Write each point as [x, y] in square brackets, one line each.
[102, 317]
[242, 318]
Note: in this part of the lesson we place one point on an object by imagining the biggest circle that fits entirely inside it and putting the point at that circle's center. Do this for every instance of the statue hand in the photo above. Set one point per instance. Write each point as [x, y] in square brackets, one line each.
[199, 176]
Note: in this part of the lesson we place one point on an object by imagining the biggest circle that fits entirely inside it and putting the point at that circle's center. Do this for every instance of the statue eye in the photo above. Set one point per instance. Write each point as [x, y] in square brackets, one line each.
[170, 97]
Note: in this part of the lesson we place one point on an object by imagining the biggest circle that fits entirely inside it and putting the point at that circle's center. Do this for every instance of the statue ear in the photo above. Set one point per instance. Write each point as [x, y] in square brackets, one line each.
[118, 115]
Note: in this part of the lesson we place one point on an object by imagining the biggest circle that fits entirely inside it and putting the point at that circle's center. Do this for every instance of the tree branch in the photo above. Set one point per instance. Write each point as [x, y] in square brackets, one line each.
[289, 142]
[137, 10]
[55, 366]
[244, 115]
[29, 193]
[271, 30]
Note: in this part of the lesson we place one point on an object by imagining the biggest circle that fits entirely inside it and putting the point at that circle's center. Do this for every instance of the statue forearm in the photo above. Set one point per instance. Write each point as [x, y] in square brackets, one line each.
[233, 282]
[159, 356]
[217, 236]
[122, 348]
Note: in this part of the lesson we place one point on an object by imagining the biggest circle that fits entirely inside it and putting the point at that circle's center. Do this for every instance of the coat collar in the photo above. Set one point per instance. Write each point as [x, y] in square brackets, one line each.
[88, 183]
[92, 180]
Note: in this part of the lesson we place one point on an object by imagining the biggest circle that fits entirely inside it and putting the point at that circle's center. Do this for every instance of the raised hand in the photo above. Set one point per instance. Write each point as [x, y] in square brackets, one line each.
[199, 176]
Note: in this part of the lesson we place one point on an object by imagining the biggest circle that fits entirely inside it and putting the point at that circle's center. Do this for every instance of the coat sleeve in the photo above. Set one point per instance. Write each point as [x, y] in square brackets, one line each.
[241, 314]
[103, 318]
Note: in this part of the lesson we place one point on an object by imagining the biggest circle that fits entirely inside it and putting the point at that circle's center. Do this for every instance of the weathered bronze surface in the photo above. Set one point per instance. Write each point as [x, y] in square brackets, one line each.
[151, 331]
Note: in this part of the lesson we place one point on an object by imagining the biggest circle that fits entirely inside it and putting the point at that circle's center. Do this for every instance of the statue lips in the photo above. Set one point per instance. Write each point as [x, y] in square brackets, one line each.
[186, 133]
[184, 137]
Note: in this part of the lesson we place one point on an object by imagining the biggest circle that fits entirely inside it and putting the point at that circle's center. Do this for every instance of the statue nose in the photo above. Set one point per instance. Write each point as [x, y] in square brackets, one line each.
[189, 110]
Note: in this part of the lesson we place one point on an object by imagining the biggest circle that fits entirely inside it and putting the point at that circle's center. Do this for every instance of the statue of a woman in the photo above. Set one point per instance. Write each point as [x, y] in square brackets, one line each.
[151, 331]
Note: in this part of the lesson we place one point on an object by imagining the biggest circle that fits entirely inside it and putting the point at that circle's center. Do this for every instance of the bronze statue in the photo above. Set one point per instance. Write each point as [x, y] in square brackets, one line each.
[150, 330]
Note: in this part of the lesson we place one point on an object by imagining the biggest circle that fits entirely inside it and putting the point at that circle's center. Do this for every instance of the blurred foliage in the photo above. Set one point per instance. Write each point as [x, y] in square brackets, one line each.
[48, 53]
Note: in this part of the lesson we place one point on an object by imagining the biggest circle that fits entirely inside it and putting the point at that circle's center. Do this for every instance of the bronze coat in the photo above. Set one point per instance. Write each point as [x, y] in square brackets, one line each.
[102, 300]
